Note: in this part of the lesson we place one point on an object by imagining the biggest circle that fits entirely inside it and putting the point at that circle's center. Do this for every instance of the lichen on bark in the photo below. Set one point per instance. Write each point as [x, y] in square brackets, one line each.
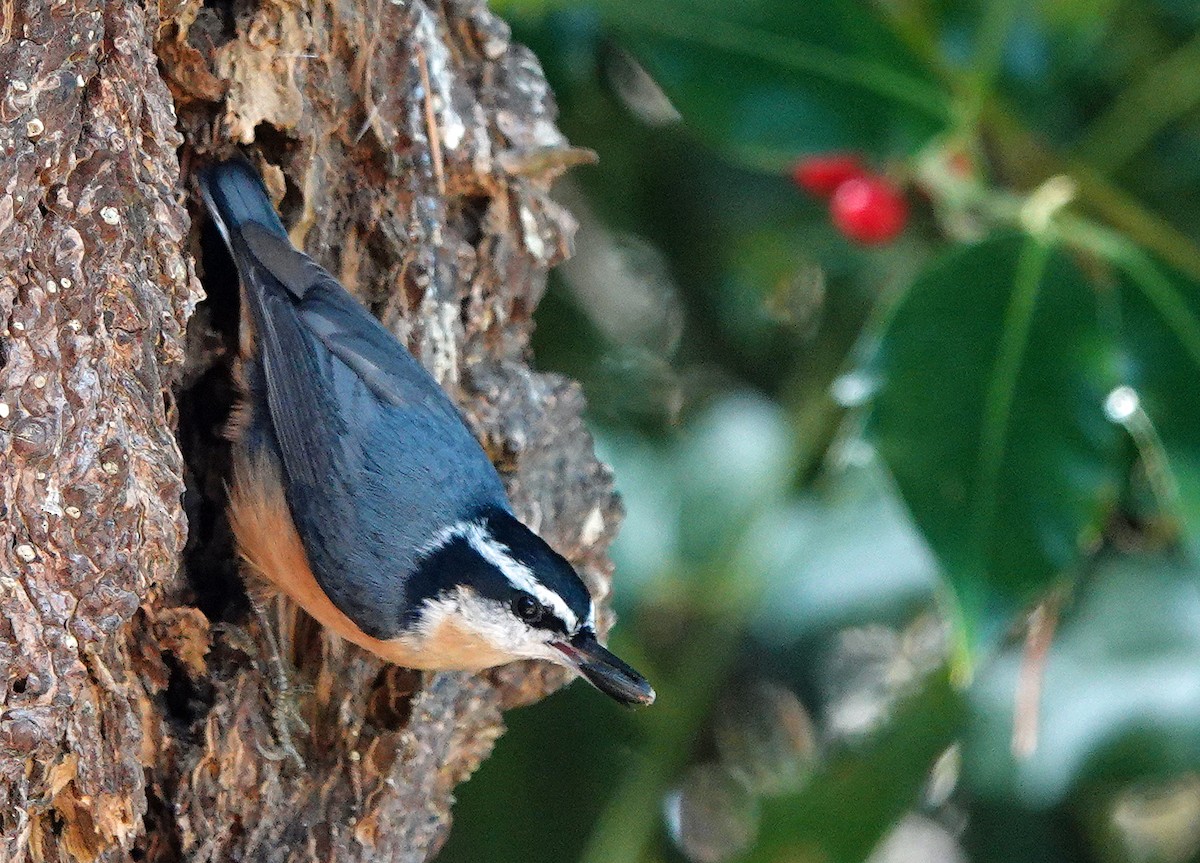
[410, 146]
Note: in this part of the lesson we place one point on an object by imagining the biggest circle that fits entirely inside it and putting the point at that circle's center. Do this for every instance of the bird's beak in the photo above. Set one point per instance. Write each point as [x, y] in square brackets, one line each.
[605, 670]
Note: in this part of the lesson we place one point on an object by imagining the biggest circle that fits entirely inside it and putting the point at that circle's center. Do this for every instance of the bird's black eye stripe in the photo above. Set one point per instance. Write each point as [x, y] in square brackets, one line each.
[527, 608]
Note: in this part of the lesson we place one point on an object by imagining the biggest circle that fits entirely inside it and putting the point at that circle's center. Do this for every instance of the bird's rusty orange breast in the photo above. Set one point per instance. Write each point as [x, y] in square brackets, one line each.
[268, 542]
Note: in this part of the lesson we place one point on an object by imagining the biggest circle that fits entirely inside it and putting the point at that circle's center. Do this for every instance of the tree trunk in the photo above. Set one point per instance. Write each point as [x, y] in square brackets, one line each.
[411, 146]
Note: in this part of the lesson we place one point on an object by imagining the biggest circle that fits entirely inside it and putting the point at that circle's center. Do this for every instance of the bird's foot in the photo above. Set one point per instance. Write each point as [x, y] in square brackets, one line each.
[287, 723]
[286, 719]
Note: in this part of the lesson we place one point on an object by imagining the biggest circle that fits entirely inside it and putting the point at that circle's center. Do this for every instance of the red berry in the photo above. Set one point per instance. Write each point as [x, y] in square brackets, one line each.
[821, 175]
[869, 210]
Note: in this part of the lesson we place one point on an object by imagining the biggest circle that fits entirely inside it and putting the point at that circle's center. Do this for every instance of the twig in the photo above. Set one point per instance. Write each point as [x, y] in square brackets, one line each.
[431, 126]
[1027, 702]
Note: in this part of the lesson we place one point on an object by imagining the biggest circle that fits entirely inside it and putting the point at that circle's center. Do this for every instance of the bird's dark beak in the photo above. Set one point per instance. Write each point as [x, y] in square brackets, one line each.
[605, 670]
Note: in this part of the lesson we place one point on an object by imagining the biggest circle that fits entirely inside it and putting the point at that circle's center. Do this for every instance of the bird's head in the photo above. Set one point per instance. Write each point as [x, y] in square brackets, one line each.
[488, 590]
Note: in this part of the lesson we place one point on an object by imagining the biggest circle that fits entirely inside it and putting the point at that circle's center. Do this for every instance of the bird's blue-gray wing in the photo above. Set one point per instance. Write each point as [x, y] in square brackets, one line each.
[376, 458]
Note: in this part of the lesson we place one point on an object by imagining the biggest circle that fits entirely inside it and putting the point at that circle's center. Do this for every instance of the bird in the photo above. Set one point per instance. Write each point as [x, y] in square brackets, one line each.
[358, 490]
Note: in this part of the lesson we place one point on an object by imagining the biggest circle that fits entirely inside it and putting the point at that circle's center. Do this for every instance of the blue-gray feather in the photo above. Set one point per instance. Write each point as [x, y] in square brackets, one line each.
[375, 457]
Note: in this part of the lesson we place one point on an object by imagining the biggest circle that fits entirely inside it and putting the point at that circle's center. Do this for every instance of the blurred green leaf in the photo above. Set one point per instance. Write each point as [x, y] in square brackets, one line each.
[1185, 11]
[1167, 91]
[850, 803]
[1076, 14]
[1000, 832]
[768, 80]
[1120, 690]
[992, 373]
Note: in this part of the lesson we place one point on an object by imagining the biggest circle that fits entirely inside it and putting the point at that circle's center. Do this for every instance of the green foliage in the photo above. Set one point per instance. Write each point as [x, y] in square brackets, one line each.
[889, 772]
[1122, 690]
[992, 376]
[764, 83]
[1015, 356]
[1002, 409]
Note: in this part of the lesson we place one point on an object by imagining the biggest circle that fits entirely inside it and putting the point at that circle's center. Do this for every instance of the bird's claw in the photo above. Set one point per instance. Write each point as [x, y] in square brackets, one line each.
[286, 721]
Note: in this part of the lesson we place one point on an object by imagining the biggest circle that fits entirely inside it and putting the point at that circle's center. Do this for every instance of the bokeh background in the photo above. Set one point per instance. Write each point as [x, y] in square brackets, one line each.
[911, 532]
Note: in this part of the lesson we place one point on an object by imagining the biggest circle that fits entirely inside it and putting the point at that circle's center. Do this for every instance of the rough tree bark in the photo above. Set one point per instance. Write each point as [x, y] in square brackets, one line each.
[411, 145]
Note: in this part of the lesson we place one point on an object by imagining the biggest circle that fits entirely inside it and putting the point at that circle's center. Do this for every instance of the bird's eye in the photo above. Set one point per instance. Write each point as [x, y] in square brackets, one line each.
[527, 608]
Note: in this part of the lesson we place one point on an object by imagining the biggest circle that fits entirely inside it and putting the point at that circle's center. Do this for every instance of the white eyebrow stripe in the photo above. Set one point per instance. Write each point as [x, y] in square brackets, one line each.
[518, 574]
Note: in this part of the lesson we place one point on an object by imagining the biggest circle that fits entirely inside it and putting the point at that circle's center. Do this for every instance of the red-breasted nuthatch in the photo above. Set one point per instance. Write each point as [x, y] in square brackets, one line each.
[359, 490]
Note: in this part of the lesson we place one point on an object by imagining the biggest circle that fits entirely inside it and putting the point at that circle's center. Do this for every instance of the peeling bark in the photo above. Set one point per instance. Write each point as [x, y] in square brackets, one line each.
[411, 146]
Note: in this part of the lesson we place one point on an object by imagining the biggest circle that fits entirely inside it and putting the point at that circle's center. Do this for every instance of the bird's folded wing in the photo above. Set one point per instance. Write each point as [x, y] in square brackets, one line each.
[348, 330]
[306, 419]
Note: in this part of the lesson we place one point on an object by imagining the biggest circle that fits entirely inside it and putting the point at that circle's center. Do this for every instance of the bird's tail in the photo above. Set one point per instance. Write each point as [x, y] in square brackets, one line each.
[235, 196]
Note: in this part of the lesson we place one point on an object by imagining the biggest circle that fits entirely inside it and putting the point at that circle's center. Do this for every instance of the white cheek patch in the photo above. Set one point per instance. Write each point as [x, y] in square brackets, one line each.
[516, 573]
[486, 619]
[467, 609]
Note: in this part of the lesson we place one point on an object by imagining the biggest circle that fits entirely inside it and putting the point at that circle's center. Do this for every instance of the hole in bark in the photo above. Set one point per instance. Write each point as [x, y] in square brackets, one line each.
[184, 699]
[469, 217]
[224, 12]
[291, 208]
[205, 402]
[159, 842]
[271, 140]
[369, 151]
[18, 686]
